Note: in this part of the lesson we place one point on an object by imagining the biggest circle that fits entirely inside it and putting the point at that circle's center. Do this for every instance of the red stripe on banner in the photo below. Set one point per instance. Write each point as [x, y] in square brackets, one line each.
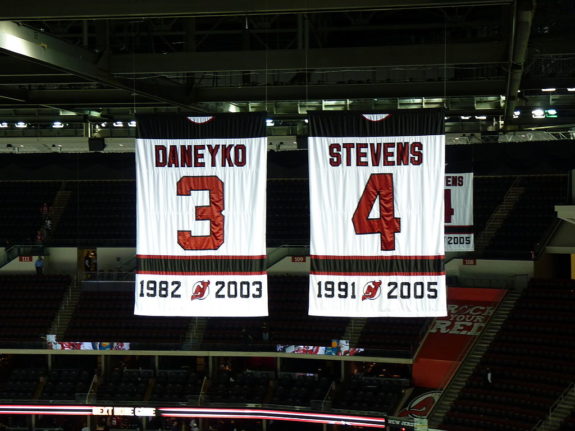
[200, 273]
[351, 274]
[206, 257]
[437, 257]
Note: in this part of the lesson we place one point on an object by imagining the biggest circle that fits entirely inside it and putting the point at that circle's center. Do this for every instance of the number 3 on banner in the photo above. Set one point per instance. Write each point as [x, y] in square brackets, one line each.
[212, 212]
[387, 225]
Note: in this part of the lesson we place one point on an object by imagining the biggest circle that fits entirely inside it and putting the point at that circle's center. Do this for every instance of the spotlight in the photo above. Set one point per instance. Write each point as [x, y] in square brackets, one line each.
[538, 113]
[21, 125]
[516, 114]
[132, 123]
[118, 124]
[3, 125]
[57, 125]
[269, 122]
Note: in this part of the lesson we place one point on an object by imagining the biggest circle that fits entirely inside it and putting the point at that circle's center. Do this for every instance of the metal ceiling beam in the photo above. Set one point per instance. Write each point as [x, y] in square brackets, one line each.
[73, 9]
[326, 58]
[117, 97]
[520, 33]
[32, 45]
[350, 91]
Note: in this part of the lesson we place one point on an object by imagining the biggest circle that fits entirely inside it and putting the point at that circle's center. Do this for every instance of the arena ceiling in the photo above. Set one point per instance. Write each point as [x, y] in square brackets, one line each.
[493, 64]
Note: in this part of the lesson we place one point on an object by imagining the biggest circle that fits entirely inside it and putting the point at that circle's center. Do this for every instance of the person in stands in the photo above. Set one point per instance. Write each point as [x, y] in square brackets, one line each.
[39, 264]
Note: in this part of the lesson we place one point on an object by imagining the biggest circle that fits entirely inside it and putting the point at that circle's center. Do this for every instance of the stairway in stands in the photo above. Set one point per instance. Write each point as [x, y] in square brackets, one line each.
[59, 205]
[560, 411]
[498, 216]
[353, 331]
[62, 319]
[475, 354]
[195, 333]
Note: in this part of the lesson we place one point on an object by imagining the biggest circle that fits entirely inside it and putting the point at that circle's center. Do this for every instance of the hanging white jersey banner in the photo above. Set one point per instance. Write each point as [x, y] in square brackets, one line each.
[458, 201]
[201, 190]
[376, 203]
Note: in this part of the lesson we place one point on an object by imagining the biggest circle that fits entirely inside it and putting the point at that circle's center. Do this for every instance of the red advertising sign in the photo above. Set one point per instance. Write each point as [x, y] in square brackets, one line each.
[449, 338]
[25, 258]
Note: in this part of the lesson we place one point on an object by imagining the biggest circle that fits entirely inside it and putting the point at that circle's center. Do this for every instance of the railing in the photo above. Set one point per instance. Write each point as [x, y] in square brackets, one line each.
[14, 251]
[554, 406]
[449, 379]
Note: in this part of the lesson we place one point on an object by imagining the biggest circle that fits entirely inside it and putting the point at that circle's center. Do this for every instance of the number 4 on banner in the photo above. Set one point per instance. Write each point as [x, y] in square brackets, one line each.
[449, 211]
[387, 225]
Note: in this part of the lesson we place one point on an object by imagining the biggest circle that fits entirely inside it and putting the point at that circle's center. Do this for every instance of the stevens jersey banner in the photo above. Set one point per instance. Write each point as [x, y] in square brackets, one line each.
[376, 203]
[201, 216]
[459, 212]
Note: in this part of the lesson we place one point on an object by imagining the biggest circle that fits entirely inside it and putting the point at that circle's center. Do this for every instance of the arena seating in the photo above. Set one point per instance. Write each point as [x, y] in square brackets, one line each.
[109, 316]
[370, 394]
[392, 336]
[300, 389]
[488, 193]
[177, 386]
[127, 384]
[99, 213]
[64, 384]
[530, 360]
[289, 322]
[22, 384]
[20, 219]
[287, 212]
[244, 387]
[533, 213]
[569, 423]
[29, 305]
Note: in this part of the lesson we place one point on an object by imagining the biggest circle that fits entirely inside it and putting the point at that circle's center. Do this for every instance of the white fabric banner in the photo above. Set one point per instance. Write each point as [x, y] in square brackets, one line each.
[458, 201]
[201, 227]
[377, 244]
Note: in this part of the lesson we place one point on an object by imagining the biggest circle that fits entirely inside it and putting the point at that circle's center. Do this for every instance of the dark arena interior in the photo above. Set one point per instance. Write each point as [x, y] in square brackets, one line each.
[75, 79]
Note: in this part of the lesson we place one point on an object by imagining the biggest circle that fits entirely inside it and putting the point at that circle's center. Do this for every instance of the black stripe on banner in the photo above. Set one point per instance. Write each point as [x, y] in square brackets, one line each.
[420, 266]
[199, 126]
[450, 230]
[420, 122]
[200, 265]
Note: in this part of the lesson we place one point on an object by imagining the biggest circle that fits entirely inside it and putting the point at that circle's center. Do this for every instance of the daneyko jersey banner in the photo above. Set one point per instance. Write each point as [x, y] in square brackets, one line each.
[459, 212]
[376, 203]
[201, 190]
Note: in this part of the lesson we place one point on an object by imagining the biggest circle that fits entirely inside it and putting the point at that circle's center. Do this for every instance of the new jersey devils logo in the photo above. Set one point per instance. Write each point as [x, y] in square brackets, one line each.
[200, 290]
[371, 290]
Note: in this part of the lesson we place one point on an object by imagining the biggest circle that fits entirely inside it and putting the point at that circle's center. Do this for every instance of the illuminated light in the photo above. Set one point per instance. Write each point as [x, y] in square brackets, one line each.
[21, 124]
[516, 114]
[465, 117]
[104, 125]
[118, 124]
[551, 113]
[571, 89]
[538, 113]
[306, 121]
[549, 90]
[269, 122]
[375, 117]
[3, 125]
[132, 123]
[57, 125]
[201, 120]
[481, 117]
